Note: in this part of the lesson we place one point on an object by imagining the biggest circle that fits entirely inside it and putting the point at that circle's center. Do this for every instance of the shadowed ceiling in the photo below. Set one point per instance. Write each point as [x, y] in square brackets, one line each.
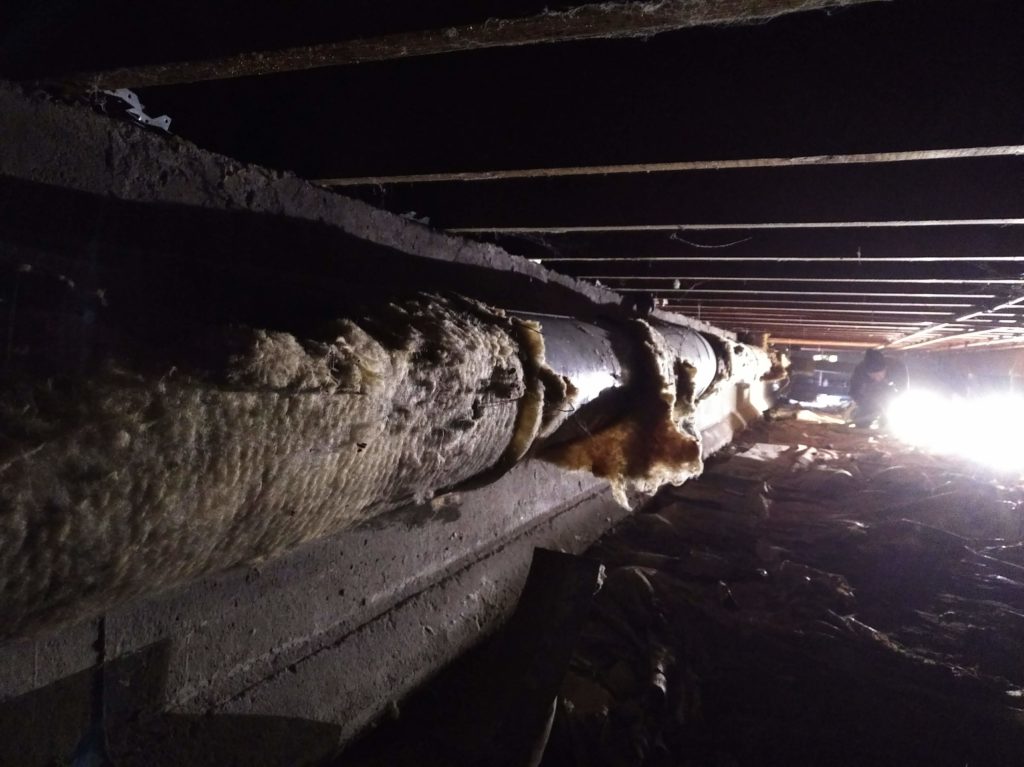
[851, 174]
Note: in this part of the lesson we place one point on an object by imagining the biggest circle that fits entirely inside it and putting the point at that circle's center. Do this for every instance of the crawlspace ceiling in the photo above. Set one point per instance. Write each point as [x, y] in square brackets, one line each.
[849, 174]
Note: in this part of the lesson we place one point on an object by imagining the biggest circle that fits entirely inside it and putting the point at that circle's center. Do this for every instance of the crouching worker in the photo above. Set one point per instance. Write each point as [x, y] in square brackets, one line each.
[875, 382]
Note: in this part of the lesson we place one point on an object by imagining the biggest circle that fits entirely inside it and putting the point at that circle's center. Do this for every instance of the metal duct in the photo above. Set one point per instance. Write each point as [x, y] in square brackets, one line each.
[131, 479]
[597, 357]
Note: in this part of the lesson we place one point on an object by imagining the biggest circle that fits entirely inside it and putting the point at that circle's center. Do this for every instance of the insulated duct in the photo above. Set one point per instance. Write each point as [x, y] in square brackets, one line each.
[132, 477]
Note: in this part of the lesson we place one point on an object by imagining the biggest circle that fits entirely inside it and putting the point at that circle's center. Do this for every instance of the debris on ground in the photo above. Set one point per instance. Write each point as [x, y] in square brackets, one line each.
[494, 707]
[820, 596]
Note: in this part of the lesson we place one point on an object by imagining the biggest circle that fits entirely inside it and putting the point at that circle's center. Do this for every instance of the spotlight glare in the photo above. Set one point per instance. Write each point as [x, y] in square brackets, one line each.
[985, 429]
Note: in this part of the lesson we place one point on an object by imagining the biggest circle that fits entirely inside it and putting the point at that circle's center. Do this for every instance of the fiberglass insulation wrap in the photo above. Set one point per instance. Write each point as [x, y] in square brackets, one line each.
[131, 483]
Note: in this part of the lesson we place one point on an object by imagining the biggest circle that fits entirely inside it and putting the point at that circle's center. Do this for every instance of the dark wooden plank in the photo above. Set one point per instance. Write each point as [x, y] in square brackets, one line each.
[586, 22]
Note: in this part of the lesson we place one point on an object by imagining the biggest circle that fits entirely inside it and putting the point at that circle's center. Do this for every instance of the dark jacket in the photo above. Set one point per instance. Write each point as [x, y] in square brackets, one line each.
[863, 387]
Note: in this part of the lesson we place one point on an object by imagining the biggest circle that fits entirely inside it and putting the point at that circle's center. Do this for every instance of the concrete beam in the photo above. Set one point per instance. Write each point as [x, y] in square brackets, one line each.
[332, 633]
[56, 148]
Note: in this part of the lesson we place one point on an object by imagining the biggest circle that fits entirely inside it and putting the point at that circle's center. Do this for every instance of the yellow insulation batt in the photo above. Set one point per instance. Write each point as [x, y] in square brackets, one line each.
[652, 443]
[130, 483]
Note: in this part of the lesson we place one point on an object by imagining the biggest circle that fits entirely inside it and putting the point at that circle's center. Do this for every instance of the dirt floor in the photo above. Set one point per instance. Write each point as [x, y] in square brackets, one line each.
[821, 596]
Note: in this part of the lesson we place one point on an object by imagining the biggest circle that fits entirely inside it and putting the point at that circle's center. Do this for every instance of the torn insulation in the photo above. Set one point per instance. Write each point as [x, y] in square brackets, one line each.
[653, 442]
[738, 363]
[124, 482]
[152, 466]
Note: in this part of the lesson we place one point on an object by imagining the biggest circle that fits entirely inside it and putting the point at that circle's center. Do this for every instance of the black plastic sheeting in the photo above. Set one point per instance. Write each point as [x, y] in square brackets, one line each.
[837, 600]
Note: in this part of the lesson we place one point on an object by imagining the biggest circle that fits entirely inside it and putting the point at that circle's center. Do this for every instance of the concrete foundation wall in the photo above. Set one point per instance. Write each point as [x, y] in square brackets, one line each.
[53, 146]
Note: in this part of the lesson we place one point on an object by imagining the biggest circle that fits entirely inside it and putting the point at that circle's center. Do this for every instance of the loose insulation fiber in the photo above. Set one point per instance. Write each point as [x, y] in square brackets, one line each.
[122, 482]
[653, 442]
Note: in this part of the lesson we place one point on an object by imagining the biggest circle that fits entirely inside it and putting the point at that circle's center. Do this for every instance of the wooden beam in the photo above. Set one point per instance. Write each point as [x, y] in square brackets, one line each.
[913, 246]
[1010, 332]
[838, 324]
[679, 167]
[722, 227]
[823, 342]
[769, 291]
[654, 272]
[796, 303]
[1016, 340]
[982, 312]
[840, 280]
[849, 260]
[608, 20]
[752, 311]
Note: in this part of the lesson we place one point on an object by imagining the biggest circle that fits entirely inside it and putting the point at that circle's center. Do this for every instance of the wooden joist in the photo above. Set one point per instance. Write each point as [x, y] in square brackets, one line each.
[916, 155]
[609, 20]
[699, 227]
